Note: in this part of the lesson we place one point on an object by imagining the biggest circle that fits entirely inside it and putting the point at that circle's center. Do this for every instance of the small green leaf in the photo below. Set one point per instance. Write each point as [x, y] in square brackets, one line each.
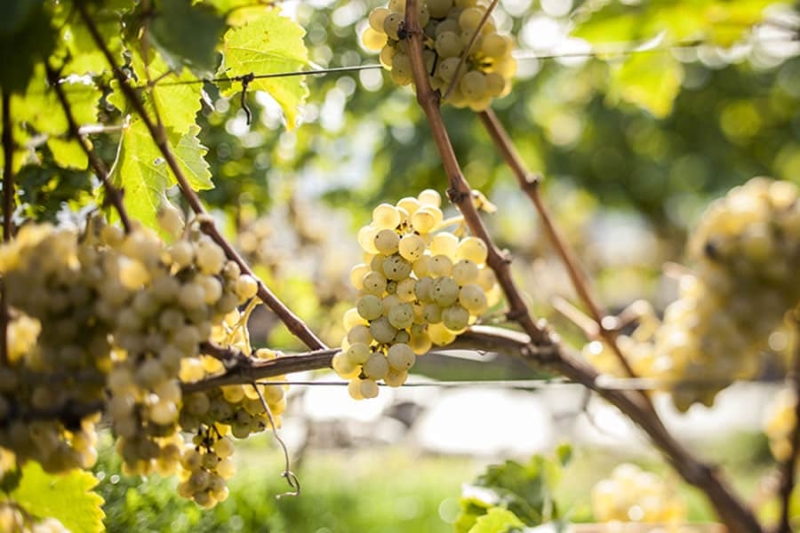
[143, 174]
[68, 154]
[67, 497]
[650, 81]
[191, 156]
[187, 33]
[272, 44]
[497, 520]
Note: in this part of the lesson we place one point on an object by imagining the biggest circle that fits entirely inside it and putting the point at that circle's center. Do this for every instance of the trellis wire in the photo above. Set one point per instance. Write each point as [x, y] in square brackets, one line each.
[604, 382]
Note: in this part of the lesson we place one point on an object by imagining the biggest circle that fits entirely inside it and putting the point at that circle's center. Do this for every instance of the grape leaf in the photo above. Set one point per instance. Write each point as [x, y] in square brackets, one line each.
[68, 154]
[177, 97]
[187, 33]
[720, 21]
[22, 50]
[497, 520]
[41, 110]
[272, 44]
[650, 81]
[66, 497]
[14, 14]
[143, 174]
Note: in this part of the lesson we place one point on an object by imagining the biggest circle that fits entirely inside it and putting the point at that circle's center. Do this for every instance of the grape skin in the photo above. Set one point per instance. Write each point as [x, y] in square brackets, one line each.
[409, 297]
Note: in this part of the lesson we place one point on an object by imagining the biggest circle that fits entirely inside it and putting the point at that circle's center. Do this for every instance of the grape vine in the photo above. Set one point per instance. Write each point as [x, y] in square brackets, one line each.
[135, 316]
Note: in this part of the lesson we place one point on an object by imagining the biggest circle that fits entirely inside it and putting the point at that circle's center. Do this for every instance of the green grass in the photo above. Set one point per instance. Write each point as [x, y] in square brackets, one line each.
[374, 490]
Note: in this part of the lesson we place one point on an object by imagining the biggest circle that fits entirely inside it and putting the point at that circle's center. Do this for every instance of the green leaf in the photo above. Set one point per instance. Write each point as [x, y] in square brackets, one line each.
[41, 110]
[25, 48]
[14, 13]
[187, 33]
[191, 157]
[68, 154]
[497, 520]
[272, 44]
[720, 21]
[650, 81]
[143, 174]
[67, 497]
[177, 97]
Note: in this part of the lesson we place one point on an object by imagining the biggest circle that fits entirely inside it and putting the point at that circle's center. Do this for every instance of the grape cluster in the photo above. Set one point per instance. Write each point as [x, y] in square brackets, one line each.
[633, 495]
[418, 286]
[205, 467]
[747, 249]
[179, 293]
[477, 73]
[115, 321]
[63, 302]
[780, 422]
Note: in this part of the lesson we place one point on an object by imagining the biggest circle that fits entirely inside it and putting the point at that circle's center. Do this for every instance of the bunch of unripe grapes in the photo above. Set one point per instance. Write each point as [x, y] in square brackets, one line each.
[418, 285]
[746, 251]
[479, 67]
[14, 519]
[632, 495]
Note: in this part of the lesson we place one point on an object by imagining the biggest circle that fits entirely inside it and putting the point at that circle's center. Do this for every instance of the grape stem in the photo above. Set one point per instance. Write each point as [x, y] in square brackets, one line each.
[156, 129]
[543, 348]
[113, 195]
[529, 183]
[463, 57]
[787, 467]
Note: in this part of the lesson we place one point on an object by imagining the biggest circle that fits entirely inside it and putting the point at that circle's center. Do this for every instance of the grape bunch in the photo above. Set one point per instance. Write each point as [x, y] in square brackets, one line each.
[780, 422]
[747, 249]
[63, 300]
[104, 320]
[205, 467]
[633, 495]
[179, 293]
[418, 286]
[479, 67]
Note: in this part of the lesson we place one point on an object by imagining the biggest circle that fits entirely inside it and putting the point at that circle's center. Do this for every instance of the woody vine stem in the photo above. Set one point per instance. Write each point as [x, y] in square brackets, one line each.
[545, 348]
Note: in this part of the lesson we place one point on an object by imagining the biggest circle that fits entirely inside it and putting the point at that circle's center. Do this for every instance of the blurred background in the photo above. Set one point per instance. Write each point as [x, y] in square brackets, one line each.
[636, 120]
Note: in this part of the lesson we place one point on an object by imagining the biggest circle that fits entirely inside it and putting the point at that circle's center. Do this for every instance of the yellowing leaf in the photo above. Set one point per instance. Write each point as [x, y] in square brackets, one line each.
[272, 44]
[651, 81]
[66, 497]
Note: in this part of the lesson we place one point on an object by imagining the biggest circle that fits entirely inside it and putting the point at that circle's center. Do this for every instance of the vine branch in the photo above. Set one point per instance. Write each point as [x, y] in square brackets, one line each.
[8, 208]
[544, 348]
[787, 467]
[295, 325]
[113, 195]
[459, 191]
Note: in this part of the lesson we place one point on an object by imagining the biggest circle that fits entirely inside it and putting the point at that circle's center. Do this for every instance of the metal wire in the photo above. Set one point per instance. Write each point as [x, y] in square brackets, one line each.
[603, 382]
